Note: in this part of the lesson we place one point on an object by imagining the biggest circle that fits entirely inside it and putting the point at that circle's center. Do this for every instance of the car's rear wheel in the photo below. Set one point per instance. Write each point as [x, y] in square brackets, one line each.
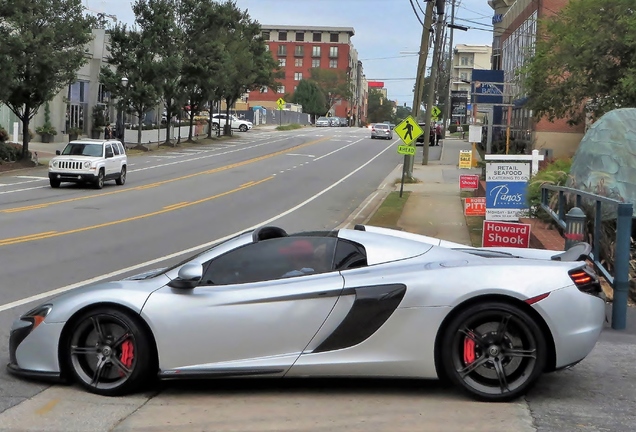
[99, 182]
[108, 352]
[243, 128]
[122, 177]
[54, 183]
[495, 351]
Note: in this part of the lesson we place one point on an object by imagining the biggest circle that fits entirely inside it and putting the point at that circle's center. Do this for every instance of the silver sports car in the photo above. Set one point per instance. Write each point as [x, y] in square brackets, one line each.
[362, 302]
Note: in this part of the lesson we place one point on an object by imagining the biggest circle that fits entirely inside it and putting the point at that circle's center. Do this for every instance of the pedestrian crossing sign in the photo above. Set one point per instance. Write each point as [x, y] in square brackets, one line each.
[408, 130]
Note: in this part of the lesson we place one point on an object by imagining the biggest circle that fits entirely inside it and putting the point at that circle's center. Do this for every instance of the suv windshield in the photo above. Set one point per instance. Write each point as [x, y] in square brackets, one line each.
[83, 150]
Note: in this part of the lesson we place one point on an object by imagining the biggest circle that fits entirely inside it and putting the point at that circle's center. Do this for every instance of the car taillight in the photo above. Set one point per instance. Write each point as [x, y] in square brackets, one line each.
[586, 280]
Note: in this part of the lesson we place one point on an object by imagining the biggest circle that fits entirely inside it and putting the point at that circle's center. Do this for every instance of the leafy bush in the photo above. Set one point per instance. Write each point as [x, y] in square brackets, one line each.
[555, 173]
[452, 128]
[11, 152]
[289, 127]
[4, 135]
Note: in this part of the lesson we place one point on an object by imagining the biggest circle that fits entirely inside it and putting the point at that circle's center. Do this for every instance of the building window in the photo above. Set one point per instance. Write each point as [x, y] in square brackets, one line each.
[300, 37]
[266, 47]
[333, 64]
[315, 51]
[282, 36]
[263, 89]
[298, 76]
[282, 62]
[463, 76]
[333, 52]
[315, 63]
[465, 61]
[333, 37]
[280, 89]
[295, 88]
[282, 50]
[266, 35]
[317, 37]
[298, 62]
[299, 51]
[103, 95]
[77, 106]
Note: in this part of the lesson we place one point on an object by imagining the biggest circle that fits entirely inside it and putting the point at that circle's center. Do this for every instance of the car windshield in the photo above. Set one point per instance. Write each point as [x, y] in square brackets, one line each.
[83, 150]
[322, 119]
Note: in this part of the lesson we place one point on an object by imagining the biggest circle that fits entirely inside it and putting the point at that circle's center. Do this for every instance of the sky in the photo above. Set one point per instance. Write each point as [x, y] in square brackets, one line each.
[387, 32]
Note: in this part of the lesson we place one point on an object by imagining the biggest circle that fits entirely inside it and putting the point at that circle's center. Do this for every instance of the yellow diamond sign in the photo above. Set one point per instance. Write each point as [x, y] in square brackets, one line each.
[408, 130]
[436, 112]
[281, 103]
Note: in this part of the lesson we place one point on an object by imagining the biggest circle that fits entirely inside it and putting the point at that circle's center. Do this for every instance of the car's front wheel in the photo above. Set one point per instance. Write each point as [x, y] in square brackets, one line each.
[108, 352]
[494, 350]
[99, 182]
[54, 183]
[243, 128]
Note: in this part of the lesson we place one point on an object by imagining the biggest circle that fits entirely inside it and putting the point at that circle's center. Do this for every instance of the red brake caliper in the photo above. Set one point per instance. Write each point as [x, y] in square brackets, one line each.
[469, 351]
[127, 355]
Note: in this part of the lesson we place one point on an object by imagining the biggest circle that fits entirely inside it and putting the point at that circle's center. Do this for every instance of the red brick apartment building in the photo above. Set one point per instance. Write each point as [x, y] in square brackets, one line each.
[515, 31]
[301, 48]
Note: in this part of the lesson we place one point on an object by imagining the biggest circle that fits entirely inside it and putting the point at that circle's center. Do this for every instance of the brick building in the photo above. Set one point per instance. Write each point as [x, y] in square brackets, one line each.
[515, 34]
[301, 48]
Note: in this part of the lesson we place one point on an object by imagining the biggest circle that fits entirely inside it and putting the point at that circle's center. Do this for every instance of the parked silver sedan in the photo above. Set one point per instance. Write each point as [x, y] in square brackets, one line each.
[323, 122]
[381, 130]
[363, 302]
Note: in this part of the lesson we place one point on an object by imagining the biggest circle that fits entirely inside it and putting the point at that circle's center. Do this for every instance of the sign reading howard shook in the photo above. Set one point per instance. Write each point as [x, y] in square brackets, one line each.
[506, 185]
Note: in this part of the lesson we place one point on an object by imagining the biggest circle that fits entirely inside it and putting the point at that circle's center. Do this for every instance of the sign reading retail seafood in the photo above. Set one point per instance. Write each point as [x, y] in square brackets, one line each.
[506, 187]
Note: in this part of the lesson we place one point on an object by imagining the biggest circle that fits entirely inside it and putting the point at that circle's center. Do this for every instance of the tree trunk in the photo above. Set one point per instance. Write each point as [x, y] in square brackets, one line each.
[168, 120]
[210, 119]
[227, 129]
[25, 132]
[139, 127]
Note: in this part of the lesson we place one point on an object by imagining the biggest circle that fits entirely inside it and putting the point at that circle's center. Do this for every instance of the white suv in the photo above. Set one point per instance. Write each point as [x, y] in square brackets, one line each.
[89, 161]
[235, 123]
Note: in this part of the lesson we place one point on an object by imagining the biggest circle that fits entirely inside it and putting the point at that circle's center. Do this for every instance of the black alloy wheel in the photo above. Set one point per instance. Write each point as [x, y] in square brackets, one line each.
[122, 177]
[495, 351]
[108, 353]
[99, 183]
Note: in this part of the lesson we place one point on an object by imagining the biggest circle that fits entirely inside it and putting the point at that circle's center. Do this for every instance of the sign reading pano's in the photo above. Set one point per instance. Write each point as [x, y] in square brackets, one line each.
[506, 186]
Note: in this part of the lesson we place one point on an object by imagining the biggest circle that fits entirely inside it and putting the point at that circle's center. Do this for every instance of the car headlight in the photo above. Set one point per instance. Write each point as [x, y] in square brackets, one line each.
[37, 315]
[54, 164]
[87, 164]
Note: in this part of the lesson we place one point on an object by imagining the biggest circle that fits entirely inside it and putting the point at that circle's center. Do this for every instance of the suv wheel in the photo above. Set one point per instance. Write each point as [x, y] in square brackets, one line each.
[54, 183]
[243, 128]
[99, 183]
[122, 176]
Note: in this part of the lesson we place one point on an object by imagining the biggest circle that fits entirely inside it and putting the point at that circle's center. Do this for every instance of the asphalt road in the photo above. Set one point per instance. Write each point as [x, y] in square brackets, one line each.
[56, 239]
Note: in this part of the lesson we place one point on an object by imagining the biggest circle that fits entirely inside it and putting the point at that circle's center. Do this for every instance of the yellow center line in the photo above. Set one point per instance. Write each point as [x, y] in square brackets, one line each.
[50, 234]
[175, 205]
[159, 183]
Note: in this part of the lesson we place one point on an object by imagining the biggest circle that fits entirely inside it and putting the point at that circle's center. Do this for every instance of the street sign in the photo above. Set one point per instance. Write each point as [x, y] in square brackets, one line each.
[406, 150]
[506, 234]
[475, 206]
[468, 182]
[408, 130]
[436, 112]
[465, 159]
[281, 103]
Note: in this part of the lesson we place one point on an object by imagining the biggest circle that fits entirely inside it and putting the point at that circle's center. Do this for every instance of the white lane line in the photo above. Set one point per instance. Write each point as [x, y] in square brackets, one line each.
[20, 183]
[32, 177]
[365, 206]
[298, 154]
[63, 289]
[337, 150]
[23, 190]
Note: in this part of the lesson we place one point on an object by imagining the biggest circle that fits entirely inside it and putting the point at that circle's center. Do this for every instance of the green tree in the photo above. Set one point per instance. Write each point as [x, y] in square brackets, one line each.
[248, 64]
[41, 49]
[379, 109]
[402, 112]
[311, 97]
[586, 54]
[335, 85]
[134, 55]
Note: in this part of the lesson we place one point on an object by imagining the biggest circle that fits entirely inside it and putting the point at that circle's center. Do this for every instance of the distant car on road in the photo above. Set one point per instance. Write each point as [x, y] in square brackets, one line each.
[323, 122]
[381, 130]
[89, 161]
[391, 125]
[235, 122]
[362, 302]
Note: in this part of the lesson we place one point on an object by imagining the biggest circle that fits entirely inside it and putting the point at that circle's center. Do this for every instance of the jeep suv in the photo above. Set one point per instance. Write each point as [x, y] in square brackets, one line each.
[89, 161]
[235, 123]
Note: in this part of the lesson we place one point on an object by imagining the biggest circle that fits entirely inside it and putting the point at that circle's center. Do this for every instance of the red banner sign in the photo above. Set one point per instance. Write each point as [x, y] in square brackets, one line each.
[506, 234]
[475, 206]
[468, 182]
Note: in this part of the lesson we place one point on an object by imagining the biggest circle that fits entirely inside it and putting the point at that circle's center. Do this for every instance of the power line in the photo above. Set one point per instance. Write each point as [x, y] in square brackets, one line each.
[416, 14]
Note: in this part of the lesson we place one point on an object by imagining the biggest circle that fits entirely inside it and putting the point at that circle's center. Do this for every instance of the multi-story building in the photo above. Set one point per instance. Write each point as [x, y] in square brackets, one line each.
[465, 59]
[518, 26]
[301, 48]
[500, 7]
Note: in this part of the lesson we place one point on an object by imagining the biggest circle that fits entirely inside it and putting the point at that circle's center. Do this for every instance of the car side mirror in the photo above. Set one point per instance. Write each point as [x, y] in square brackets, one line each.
[57, 152]
[188, 277]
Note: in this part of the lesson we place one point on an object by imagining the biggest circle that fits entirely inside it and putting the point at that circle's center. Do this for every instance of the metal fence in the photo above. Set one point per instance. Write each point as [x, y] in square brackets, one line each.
[624, 213]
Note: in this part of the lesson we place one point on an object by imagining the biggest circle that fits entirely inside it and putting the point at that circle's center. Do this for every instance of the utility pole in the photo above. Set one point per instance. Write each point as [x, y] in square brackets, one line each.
[439, 25]
[419, 78]
[448, 114]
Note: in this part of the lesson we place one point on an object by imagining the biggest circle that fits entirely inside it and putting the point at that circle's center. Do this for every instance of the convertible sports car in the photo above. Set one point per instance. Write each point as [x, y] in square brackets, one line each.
[362, 302]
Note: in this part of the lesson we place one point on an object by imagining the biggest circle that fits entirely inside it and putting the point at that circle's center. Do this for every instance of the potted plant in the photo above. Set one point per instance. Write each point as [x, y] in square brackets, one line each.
[74, 133]
[46, 131]
[99, 121]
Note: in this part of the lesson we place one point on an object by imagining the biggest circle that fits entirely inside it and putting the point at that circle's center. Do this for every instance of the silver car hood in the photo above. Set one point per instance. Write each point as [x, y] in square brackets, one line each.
[146, 274]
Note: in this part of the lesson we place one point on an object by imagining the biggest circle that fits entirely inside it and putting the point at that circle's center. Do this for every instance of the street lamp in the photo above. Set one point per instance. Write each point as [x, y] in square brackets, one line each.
[120, 115]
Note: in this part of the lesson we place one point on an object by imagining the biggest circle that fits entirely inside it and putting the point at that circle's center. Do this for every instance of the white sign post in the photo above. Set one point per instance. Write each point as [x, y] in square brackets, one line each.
[16, 132]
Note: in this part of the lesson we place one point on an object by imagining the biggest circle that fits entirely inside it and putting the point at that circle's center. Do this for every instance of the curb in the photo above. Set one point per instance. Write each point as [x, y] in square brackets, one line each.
[367, 208]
